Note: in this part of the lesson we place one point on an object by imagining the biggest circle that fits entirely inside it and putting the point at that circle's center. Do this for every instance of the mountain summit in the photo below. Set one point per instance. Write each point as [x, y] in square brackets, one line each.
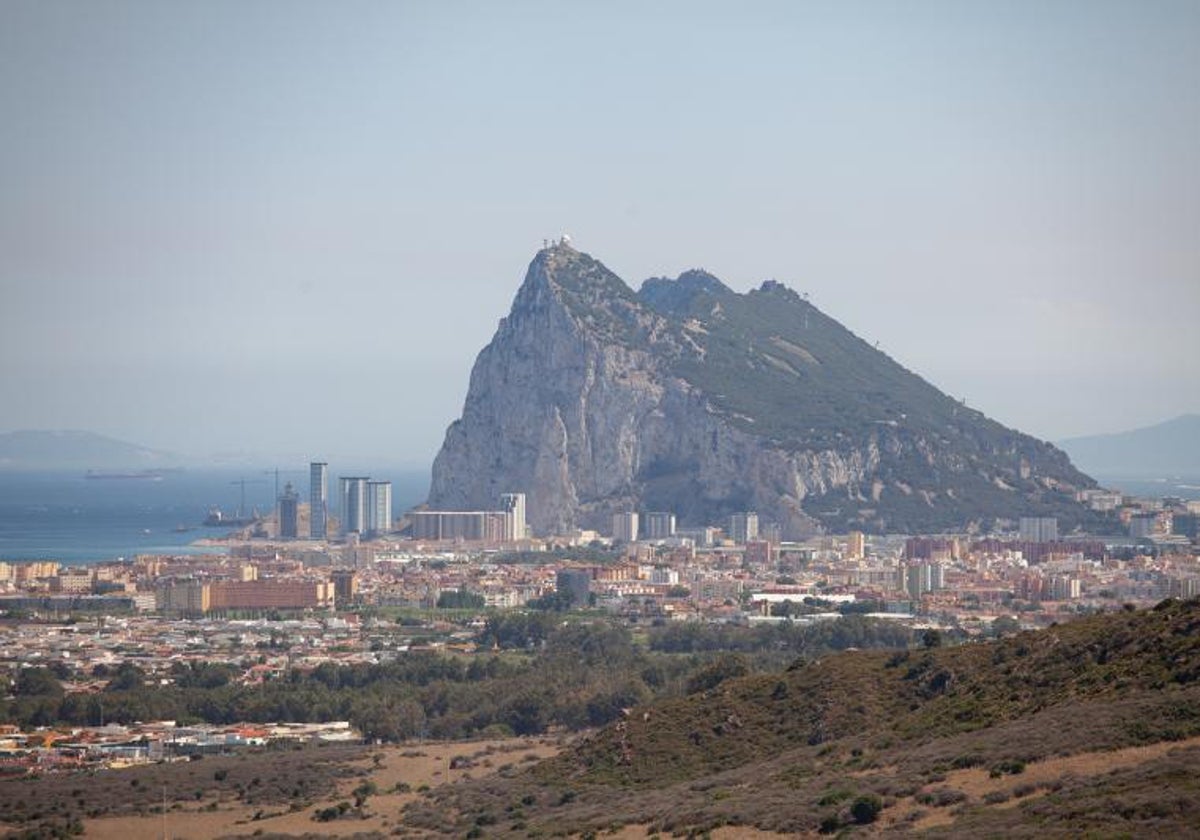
[689, 397]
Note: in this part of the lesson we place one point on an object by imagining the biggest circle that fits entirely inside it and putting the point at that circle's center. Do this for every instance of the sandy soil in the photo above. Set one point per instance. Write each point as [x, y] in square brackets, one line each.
[976, 782]
[640, 832]
[429, 764]
[414, 765]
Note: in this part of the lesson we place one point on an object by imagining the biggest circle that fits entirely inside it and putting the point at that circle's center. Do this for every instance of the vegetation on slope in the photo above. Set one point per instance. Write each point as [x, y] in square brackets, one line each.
[796, 750]
[536, 671]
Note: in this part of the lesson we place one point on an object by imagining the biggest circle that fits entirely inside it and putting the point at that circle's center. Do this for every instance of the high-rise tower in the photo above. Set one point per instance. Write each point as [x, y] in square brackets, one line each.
[513, 504]
[353, 507]
[625, 527]
[318, 499]
[289, 504]
[659, 525]
[379, 508]
[743, 527]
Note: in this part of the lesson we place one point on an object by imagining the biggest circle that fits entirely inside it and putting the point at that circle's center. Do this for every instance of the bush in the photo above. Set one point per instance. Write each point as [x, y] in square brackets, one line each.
[829, 824]
[1010, 767]
[941, 797]
[866, 809]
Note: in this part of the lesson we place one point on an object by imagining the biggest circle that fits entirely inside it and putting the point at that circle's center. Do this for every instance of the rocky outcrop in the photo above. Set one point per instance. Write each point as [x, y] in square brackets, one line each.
[592, 400]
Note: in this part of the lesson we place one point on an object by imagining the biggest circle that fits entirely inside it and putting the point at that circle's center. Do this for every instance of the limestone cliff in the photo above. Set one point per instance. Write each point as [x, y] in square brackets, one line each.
[691, 398]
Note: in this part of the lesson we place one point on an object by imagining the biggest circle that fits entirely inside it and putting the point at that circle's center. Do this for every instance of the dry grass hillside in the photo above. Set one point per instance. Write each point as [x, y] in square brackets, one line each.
[891, 742]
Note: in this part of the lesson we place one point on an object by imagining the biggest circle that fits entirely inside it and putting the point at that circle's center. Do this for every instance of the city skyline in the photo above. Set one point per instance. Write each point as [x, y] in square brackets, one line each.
[219, 231]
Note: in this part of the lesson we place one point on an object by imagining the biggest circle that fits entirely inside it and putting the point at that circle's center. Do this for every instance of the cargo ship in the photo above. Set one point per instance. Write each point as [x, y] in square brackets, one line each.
[147, 475]
[218, 519]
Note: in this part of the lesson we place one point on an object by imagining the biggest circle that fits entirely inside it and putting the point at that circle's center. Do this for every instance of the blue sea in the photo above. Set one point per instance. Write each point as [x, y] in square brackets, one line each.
[67, 517]
[1150, 487]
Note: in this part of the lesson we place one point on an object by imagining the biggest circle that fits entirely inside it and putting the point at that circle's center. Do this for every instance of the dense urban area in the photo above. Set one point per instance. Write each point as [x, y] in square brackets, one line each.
[315, 628]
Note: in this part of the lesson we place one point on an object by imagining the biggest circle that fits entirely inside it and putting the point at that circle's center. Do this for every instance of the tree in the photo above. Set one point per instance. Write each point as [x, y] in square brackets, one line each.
[552, 602]
[460, 599]
[526, 713]
[727, 666]
[1004, 625]
[363, 791]
[128, 677]
[37, 682]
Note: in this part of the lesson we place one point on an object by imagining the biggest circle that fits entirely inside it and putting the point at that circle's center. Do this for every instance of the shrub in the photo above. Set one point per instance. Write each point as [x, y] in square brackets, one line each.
[866, 809]
[833, 797]
[941, 797]
[1011, 767]
[1025, 789]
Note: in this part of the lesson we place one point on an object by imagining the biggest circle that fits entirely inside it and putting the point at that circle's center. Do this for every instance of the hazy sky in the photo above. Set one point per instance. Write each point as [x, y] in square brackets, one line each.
[289, 227]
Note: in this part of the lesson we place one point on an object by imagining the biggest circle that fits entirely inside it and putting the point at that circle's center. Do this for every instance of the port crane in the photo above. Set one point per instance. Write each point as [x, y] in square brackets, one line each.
[242, 482]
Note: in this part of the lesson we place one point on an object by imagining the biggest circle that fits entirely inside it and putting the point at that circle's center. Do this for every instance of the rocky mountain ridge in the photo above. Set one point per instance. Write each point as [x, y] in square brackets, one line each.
[689, 397]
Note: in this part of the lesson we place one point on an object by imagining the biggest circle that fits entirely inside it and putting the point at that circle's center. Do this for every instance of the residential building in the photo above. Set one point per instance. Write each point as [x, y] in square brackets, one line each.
[378, 508]
[345, 585]
[920, 578]
[743, 527]
[352, 508]
[856, 545]
[659, 525]
[1039, 528]
[470, 525]
[517, 527]
[270, 594]
[625, 527]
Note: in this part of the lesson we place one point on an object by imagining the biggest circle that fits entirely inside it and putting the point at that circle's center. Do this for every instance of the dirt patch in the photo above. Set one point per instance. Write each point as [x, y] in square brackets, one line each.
[398, 773]
[640, 832]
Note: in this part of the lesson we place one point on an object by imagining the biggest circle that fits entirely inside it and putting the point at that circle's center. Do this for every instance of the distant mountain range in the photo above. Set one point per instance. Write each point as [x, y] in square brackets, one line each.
[77, 450]
[1167, 449]
[686, 396]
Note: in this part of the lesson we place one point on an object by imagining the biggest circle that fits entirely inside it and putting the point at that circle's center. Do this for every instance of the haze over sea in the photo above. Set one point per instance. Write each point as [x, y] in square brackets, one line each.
[67, 517]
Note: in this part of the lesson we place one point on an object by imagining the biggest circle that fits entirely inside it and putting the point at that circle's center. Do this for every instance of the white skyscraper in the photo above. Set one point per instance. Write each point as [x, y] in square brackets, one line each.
[379, 508]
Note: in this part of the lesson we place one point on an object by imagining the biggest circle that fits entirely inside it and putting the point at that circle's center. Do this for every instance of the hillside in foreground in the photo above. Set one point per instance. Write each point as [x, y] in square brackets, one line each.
[1091, 726]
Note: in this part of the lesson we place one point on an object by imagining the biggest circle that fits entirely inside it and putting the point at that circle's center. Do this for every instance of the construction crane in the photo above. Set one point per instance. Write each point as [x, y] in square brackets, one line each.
[242, 482]
[276, 472]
